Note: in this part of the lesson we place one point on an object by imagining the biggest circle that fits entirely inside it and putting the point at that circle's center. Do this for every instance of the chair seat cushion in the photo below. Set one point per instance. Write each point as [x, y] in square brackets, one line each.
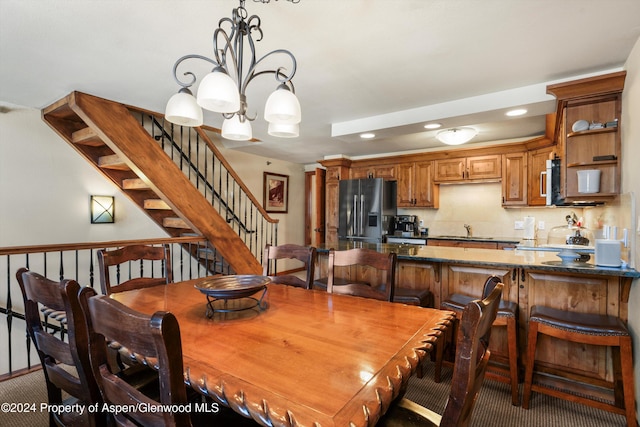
[583, 323]
[420, 297]
[457, 302]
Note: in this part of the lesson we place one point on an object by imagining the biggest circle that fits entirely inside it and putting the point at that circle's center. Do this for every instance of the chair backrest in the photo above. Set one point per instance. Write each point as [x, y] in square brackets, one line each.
[56, 355]
[360, 257]
[154, 340]
[472, 356]
[107, 259]
[305, 254]
[489, 284]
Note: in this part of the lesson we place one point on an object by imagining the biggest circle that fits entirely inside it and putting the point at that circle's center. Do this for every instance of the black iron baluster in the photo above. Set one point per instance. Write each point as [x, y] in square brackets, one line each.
[91, 273]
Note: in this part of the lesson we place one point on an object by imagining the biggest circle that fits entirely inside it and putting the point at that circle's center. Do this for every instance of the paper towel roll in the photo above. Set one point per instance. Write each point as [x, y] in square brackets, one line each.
[529, 228]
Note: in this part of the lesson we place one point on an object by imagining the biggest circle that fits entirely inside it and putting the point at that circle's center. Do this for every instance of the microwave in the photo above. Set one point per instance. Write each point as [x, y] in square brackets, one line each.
[553, 187]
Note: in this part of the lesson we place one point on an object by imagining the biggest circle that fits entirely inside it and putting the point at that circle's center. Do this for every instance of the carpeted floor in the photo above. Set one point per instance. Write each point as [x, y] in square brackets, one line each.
[493, 407]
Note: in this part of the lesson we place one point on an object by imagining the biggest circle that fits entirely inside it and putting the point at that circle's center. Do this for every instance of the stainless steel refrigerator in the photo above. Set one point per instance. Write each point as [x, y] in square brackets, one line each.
[367, 206]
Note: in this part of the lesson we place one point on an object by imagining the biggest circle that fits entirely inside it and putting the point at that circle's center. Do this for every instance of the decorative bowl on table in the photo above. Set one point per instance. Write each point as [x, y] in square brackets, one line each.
[233, 293]
[232, 286]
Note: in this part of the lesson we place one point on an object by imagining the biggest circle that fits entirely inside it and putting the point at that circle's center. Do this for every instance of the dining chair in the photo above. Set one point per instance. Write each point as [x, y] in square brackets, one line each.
[65, 363]
[472, 358]
[126, 254]
[153, 341]
[507, 317]
[378, 268]
[307, 255]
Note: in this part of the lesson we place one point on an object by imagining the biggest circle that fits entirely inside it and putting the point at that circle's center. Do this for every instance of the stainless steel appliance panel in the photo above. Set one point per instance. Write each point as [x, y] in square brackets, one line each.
[365, 208]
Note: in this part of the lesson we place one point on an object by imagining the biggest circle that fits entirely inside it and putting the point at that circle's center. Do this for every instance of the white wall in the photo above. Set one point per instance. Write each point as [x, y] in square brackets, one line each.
[45, 187]
[631, 183]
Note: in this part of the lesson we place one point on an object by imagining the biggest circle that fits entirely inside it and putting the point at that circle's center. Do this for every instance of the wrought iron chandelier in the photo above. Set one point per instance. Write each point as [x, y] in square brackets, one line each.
[223, 89]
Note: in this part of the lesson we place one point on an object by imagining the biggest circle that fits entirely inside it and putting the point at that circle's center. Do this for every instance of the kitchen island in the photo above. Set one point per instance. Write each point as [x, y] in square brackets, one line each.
[530, 278]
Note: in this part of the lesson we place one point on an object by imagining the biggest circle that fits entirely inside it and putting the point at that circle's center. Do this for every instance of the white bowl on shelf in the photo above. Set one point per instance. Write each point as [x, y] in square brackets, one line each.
[580, 125]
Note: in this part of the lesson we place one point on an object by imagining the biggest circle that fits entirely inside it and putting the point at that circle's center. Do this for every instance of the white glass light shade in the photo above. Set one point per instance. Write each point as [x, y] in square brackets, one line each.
[282, 107]
[236, 130]
[284, 130]
[218, 92]
[182, 109]
[456, 136]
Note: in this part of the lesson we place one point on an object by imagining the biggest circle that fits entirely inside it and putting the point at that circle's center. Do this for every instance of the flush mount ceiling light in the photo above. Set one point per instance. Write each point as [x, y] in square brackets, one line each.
[456, 136]
[516, 112]
[367, 135]
[223, 89]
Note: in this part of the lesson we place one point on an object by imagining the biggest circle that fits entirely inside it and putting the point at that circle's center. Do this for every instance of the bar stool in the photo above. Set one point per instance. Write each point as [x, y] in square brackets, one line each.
[585, 328]
[507, 316]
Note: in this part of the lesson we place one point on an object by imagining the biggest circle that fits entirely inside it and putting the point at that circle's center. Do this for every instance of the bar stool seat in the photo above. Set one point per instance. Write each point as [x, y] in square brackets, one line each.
[585, 328]
[507, 316]
[419, 297]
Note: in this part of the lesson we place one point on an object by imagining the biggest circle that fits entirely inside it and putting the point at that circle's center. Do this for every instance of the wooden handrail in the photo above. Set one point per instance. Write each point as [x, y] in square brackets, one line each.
[12, 250]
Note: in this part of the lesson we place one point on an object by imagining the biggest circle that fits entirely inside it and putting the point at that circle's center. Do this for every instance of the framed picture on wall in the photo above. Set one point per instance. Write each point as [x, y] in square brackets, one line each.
[276, 192]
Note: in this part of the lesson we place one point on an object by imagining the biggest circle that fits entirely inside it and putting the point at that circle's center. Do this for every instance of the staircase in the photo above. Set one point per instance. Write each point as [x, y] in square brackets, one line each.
[175, 174]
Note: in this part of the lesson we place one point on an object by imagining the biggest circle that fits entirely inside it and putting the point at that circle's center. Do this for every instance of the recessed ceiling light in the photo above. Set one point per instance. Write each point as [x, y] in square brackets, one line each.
[367, 135]
[517, 112]
[432, 125]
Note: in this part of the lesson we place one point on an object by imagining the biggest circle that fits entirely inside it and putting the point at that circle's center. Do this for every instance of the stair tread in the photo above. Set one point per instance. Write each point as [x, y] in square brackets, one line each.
[112, 162]
[134, 184]
[157, 204]
[86, 136]
[172, 222]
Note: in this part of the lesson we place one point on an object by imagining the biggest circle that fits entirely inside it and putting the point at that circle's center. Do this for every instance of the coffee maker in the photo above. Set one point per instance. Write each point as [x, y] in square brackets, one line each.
[405, 225]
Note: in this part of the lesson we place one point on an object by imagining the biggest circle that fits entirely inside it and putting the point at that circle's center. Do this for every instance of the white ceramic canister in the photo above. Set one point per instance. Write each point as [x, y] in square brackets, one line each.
[589, 181]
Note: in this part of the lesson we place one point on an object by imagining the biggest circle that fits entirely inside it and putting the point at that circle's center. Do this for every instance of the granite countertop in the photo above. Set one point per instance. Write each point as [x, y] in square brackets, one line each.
[513, 240]
[546, 261]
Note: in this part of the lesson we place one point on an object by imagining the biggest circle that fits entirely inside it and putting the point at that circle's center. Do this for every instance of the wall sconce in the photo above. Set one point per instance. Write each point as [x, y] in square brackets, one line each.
[102, 209]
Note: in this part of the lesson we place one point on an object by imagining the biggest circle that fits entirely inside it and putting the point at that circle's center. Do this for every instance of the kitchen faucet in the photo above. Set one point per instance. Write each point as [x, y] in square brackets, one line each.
[468, 227]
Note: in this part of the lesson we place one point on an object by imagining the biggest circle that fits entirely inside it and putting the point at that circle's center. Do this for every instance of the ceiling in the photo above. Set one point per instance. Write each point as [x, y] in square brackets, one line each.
[362, 65]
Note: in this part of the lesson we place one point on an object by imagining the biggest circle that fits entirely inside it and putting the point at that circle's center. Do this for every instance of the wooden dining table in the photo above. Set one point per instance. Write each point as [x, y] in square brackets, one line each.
[308, 358]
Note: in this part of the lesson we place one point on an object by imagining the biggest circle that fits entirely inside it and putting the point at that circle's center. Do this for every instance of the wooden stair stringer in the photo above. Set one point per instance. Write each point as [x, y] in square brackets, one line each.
[121, 132]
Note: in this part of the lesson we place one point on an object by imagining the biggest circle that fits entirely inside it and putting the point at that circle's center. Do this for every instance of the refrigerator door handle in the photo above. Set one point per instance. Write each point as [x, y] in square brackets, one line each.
[354, 222]
[361, 214]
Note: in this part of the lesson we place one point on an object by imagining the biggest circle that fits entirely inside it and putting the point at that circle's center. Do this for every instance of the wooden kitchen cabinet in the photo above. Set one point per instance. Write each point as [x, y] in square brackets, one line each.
[468, 169]
[514, 179]
[596, 100]
[336, 169]
[387, 172]
[415, 185]
[537, 164]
